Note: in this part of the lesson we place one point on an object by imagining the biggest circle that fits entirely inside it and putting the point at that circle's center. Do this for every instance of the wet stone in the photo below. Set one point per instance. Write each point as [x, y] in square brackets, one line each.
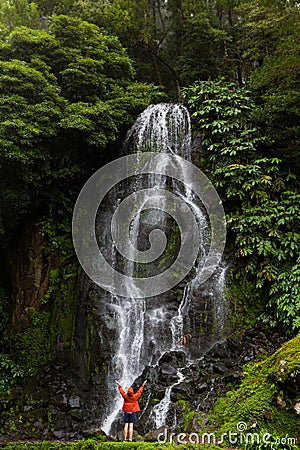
[74, 402]
[39, 425]
[174, 359]
[201, 387]
[77, 415]
[167, 369]
[219, 368]
[59, 434]
[61, 402]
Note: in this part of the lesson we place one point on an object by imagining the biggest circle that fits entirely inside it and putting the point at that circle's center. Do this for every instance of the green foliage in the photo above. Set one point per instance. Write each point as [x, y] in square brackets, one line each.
[14, 13]
[201, 36]
[268, 236]
[29, 109]
[261, 210]
[285, 295]
[67, 94]
[175, 43]
[276, 86]
[10, 373]
[265, 441]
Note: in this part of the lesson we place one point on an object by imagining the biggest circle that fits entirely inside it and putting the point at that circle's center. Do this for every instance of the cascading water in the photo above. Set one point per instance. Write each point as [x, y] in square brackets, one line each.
[160, 411]
[143, 330]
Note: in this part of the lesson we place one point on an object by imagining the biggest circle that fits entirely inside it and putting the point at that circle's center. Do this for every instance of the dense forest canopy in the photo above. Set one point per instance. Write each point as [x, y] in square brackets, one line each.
[66, 93]
[74, 74]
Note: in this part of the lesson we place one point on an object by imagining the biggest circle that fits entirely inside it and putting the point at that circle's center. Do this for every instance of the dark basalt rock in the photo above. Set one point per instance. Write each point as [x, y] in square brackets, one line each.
[60, 402]
[292, 382]
[182, 391]
[60, 395]
[160, 433]
[175, 359]
[59, 434]
[93, 432]
[167, 373]
[219, 368]
[201, 387]
[74, 402]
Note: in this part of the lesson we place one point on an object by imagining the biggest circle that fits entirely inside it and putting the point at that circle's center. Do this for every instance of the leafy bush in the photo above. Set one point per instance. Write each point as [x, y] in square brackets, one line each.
[10, 373]
[259, 198]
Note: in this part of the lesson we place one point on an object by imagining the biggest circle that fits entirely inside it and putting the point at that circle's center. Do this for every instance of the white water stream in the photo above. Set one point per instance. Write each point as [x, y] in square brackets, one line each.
[160, 411]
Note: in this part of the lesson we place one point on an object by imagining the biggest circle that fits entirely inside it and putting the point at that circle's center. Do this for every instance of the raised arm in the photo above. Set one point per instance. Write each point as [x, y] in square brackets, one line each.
[140, 390]
[122, 392]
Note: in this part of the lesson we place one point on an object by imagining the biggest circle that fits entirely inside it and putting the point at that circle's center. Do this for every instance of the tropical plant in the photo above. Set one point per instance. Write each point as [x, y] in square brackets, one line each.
[261, 210]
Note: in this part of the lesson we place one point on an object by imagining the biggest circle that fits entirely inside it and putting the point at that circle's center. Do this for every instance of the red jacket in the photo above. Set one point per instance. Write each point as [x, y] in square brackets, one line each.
[131, 403]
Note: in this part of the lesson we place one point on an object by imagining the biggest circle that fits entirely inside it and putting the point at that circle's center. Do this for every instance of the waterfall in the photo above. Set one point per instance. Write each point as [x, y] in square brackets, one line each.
[160, 411]
[142, 330]
[125, 364]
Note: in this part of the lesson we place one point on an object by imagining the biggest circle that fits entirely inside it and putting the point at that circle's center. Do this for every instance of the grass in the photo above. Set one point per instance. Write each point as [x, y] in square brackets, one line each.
[92, 444]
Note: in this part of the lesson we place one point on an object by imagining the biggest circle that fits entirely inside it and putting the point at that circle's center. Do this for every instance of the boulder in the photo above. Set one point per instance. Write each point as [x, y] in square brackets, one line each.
[159, 435]
[167, 369]
[93, 432]
[167, 373]
[59, 434]
[181, 391]
[201, 387]
[175, 359]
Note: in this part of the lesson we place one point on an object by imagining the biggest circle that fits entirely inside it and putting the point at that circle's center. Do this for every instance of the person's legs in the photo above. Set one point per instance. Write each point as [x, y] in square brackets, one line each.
[126, 431]
[130, 431]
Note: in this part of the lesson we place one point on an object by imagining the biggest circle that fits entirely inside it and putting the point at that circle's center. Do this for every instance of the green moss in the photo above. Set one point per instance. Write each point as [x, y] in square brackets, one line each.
[31, 346]
[263, 401]
[91, 444]
[172, 247]
[63, 298]
[188, 415]
[246, 303]
[285, 361]
[51, 325]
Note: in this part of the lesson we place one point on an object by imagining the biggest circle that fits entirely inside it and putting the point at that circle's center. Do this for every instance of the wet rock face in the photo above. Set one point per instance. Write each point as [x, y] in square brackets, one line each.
[28, 272]
[205, 378]
[175, 359]
[168, 366]
[58, 404]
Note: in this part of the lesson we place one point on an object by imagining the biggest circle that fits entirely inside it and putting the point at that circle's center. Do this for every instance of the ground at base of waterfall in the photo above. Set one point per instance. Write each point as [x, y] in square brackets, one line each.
[91, 444]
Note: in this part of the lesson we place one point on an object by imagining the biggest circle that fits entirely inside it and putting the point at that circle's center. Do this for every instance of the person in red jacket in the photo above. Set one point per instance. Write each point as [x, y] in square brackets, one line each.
[130, 408]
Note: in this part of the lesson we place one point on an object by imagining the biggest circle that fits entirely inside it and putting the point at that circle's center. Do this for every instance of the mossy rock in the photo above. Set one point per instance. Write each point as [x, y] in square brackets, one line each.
[267, 396]
[246, 303]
